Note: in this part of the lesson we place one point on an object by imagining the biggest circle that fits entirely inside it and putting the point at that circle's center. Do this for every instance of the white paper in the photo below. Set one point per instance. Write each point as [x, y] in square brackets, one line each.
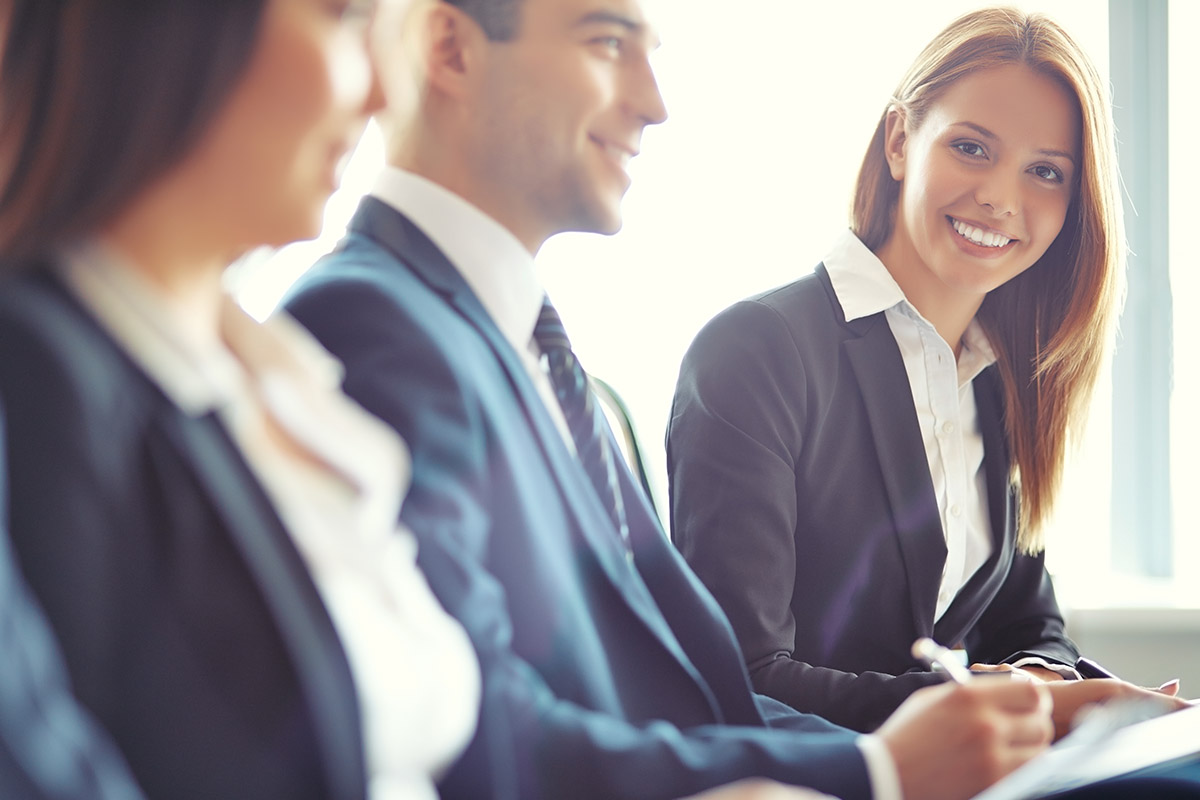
[1104, 746]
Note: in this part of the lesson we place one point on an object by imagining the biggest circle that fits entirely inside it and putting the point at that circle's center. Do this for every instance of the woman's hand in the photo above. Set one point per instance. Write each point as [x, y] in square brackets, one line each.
[758, 789]
[1069, 697]
[1040, 674]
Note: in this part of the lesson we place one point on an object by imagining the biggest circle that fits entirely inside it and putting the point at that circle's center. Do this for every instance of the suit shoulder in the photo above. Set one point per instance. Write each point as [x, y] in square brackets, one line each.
[53, 352]
[402, 343]
[78, 416]
[798, 314]
[808, 294]
[360, 295]
[358, 264]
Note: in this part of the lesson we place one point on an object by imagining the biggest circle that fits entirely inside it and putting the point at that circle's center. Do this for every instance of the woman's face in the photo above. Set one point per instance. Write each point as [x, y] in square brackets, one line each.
[986, 183]
[271, 157]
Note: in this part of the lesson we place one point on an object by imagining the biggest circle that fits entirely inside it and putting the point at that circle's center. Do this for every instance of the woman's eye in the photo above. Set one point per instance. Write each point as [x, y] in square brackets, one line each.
[970, 149]
[1048, 173]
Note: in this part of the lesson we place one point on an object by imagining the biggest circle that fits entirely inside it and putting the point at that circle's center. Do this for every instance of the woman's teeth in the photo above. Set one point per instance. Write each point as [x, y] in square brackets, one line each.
[973, 234]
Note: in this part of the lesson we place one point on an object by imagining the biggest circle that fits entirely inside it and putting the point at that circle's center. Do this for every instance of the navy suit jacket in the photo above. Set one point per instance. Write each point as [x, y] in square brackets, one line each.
[189, 625]
[800, 494]
[602, 678]
[49, 748]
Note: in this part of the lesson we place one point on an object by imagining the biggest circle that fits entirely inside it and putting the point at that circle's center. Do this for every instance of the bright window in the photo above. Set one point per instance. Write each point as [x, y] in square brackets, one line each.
[747, 185]
[1184, 178]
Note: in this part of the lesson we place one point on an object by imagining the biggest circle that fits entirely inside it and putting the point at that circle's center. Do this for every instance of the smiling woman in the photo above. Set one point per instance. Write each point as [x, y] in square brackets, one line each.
[986, 178]
[866, 456]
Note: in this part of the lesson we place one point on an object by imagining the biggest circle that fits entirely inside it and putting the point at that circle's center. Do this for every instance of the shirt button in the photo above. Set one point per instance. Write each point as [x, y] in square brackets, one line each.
[947, 427]
[955, 510]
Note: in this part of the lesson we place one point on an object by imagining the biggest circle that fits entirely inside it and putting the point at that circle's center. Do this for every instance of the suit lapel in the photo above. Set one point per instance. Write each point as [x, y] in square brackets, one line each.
[879, 369]
[415, 250]
[412, 248]
[977, 594]
[282, 577]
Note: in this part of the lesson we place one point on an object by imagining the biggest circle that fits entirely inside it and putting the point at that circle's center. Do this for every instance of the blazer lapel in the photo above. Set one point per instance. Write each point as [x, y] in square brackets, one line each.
[414, 249]
[282, 577]
[879, 369]
[977, 594]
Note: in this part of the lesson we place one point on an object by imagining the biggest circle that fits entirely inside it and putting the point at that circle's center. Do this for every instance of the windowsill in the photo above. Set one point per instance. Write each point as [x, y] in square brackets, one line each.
[1149, 620]
[1131, 596]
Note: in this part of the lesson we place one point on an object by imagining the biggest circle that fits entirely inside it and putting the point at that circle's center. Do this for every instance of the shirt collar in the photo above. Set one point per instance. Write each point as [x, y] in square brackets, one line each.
[977, 353]
[197, 376]
[493, 262]
[861, 282]
[864, 286]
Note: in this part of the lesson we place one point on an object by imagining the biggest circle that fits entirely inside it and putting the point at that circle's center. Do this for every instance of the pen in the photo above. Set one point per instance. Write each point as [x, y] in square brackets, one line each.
[930, 652]
[1090, 669]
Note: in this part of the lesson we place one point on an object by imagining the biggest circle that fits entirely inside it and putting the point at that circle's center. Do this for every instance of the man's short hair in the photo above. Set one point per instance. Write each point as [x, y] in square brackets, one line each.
[498, 18]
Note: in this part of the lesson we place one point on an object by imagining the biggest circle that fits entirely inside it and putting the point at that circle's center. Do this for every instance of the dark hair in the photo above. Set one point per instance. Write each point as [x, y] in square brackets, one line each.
[99, 98]
[500, 19]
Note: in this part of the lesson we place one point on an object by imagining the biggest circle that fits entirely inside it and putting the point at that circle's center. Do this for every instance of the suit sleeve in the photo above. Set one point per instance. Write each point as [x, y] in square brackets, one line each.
[531, 743]
[49, 746]
[735, 434]
[1022, 620]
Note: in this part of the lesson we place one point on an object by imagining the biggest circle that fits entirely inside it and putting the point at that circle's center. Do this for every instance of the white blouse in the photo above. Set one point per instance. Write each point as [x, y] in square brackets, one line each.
[943, 393]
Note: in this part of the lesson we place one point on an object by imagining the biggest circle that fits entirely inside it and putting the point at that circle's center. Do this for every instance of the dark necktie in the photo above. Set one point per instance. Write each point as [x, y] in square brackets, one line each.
[584, 419]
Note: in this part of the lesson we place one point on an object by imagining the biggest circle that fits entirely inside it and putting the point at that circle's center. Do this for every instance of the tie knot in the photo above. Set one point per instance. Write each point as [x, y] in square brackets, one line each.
[549, 331]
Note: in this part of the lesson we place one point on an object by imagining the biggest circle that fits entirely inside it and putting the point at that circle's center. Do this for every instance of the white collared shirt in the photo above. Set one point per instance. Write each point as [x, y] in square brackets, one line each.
[336, 476]
[944, 397]
[497, 267]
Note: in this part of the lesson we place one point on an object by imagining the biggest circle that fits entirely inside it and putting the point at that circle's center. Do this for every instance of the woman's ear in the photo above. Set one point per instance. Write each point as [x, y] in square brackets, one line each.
[895, 142]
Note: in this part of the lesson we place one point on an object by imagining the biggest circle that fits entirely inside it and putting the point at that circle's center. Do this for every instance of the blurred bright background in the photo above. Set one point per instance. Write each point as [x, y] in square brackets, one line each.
[746, 186]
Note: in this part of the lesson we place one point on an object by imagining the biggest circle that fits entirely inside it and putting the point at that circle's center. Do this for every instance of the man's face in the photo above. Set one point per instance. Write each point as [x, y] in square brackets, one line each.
[558, 113]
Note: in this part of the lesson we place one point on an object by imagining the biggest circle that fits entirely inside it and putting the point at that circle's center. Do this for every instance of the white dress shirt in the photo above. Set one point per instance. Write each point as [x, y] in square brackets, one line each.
[501, 273]
[944, 398]
[336, 476]
[497, 267]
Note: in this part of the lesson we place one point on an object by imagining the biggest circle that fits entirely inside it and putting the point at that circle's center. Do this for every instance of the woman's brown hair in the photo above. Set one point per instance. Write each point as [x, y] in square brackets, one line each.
[99, 98]
[1050, 326]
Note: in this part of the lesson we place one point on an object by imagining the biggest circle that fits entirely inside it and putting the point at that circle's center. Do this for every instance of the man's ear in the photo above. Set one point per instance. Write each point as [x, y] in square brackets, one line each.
[895, 141]
[453, 48]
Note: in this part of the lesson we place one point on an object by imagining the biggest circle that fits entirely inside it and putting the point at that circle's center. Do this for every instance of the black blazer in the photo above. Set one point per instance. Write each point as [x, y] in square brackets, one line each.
[188, 622]
[800, 493]
[602, 679]
[49, 748]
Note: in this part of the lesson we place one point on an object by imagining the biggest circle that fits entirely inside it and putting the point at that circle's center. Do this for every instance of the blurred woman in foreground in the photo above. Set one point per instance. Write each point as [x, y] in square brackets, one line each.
[209, 524]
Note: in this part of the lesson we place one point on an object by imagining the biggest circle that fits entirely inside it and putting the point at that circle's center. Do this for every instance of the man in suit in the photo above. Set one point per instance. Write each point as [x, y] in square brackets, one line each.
[49, 747]
[609, 670]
